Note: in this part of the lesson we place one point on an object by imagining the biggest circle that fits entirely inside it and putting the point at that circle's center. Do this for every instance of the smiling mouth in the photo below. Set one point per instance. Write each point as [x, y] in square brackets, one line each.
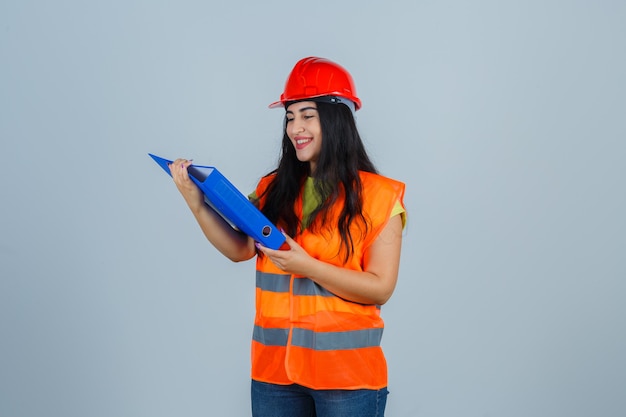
[302, 142]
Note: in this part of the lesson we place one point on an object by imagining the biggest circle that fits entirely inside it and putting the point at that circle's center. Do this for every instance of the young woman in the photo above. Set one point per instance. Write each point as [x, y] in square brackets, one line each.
[316, 340]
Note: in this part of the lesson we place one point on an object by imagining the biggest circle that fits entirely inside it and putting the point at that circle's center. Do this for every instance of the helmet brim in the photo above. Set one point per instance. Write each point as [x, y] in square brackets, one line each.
[276, 105]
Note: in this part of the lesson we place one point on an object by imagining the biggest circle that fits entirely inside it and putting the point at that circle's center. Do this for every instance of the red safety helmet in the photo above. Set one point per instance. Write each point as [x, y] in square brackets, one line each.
[314, 77]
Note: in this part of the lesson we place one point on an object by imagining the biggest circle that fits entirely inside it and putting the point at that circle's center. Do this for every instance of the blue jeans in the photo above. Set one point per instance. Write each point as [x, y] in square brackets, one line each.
[270, 400]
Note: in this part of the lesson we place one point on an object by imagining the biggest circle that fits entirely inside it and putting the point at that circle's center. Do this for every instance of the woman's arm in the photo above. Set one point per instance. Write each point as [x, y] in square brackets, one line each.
[374, 285]
[235, 245]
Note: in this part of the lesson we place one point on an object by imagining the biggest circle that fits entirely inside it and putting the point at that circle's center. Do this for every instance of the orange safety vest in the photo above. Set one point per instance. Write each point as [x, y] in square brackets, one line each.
[306, 335]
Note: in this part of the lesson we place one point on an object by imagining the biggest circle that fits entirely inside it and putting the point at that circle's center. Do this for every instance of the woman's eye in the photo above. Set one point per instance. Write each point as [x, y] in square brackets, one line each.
[288, 120]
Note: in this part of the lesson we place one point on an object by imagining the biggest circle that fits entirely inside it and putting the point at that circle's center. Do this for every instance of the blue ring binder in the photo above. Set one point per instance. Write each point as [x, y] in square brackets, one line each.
[230, 203]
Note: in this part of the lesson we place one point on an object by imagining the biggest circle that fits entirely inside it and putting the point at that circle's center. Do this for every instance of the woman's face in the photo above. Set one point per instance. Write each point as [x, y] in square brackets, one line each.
[304, 130]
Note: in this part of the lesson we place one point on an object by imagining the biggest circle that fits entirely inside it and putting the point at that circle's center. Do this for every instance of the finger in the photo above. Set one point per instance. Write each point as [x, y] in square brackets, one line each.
[178, 169]
[172, 165]
[262, 248]
[267, 251]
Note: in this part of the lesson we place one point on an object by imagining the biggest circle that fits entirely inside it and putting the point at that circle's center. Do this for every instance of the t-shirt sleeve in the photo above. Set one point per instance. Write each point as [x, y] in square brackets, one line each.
[254, 199]
[398, 209]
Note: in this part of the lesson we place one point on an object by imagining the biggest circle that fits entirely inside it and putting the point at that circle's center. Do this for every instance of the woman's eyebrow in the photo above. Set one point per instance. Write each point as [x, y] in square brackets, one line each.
[301, 110]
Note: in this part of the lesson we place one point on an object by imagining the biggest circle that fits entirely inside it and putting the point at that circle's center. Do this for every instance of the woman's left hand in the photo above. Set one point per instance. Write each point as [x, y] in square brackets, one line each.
[294, 259]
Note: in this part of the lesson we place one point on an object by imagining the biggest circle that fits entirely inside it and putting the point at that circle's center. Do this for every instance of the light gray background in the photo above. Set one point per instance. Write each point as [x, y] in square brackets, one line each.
[506, 120]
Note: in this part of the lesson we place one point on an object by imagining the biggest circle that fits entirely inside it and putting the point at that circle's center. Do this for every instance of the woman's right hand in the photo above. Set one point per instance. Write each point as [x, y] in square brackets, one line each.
[190, 191]
[233, 244]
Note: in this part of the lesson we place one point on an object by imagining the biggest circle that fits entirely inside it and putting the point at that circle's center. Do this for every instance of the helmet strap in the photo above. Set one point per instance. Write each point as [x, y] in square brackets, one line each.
[336, 100]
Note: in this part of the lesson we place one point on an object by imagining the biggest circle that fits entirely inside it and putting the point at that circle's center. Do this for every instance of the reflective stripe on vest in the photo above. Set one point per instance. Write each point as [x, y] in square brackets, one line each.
[270, 337]
[309, 339]
[280, 283]
[272, 282]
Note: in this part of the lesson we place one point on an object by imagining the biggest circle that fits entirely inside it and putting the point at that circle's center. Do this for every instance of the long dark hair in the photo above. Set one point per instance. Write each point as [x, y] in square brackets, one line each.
[341, 158]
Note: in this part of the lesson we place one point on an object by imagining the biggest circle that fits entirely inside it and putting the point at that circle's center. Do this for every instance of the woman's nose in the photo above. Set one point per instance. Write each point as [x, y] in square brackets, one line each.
[296, 127]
